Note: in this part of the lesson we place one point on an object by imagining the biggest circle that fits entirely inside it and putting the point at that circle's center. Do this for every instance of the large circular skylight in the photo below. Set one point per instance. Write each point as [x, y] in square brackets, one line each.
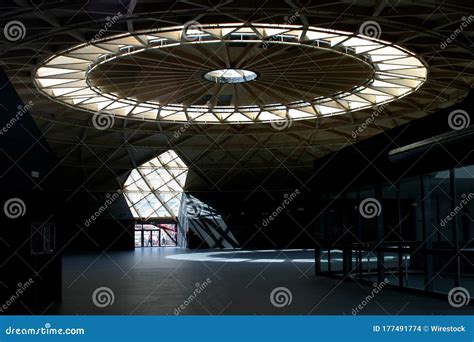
[210, 75]
[230, 76]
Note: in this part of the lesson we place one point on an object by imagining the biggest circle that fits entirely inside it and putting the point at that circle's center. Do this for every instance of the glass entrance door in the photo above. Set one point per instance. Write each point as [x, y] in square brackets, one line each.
[155, 235]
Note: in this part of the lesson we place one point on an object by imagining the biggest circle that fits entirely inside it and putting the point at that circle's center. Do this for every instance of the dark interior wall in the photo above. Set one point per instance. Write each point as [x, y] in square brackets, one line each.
[250, 220]
[28, 276]
[19, 264]
[95, 222]
[36, 193]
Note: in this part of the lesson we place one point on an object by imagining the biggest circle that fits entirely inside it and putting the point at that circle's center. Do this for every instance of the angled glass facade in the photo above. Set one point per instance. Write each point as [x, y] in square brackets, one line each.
[154, 189]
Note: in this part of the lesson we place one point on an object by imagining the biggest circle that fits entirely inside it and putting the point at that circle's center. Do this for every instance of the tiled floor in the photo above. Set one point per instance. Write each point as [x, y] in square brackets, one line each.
[164, 281]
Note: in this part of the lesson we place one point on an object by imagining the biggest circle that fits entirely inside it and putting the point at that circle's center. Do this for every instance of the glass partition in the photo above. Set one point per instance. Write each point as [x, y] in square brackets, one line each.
[427, 234]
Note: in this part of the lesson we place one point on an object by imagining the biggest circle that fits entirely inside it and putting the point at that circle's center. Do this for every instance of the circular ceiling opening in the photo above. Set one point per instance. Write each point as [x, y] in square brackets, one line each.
[230, 76]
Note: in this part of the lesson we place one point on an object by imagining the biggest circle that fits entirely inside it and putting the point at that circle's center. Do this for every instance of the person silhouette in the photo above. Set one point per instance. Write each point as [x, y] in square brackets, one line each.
[150, 241]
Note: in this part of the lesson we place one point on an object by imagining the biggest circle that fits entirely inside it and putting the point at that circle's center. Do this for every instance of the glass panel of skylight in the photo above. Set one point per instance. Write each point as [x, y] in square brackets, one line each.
[163, 199]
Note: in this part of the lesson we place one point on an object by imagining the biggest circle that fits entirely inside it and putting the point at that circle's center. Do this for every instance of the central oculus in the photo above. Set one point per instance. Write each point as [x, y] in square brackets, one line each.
[230, 76]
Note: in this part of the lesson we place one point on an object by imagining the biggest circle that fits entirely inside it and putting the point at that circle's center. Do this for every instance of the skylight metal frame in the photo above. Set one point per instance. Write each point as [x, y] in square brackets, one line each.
[397, 72]
[151, 187]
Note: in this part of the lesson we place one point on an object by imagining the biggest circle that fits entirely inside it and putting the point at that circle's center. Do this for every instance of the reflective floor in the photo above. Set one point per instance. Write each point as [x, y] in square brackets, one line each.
[170, 281]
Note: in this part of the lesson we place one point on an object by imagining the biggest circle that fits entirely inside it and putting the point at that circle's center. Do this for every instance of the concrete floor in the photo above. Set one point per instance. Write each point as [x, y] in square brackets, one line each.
[159, 280]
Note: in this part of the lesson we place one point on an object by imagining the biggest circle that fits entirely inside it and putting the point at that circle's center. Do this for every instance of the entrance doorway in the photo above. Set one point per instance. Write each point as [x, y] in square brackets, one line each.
[155, 235]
